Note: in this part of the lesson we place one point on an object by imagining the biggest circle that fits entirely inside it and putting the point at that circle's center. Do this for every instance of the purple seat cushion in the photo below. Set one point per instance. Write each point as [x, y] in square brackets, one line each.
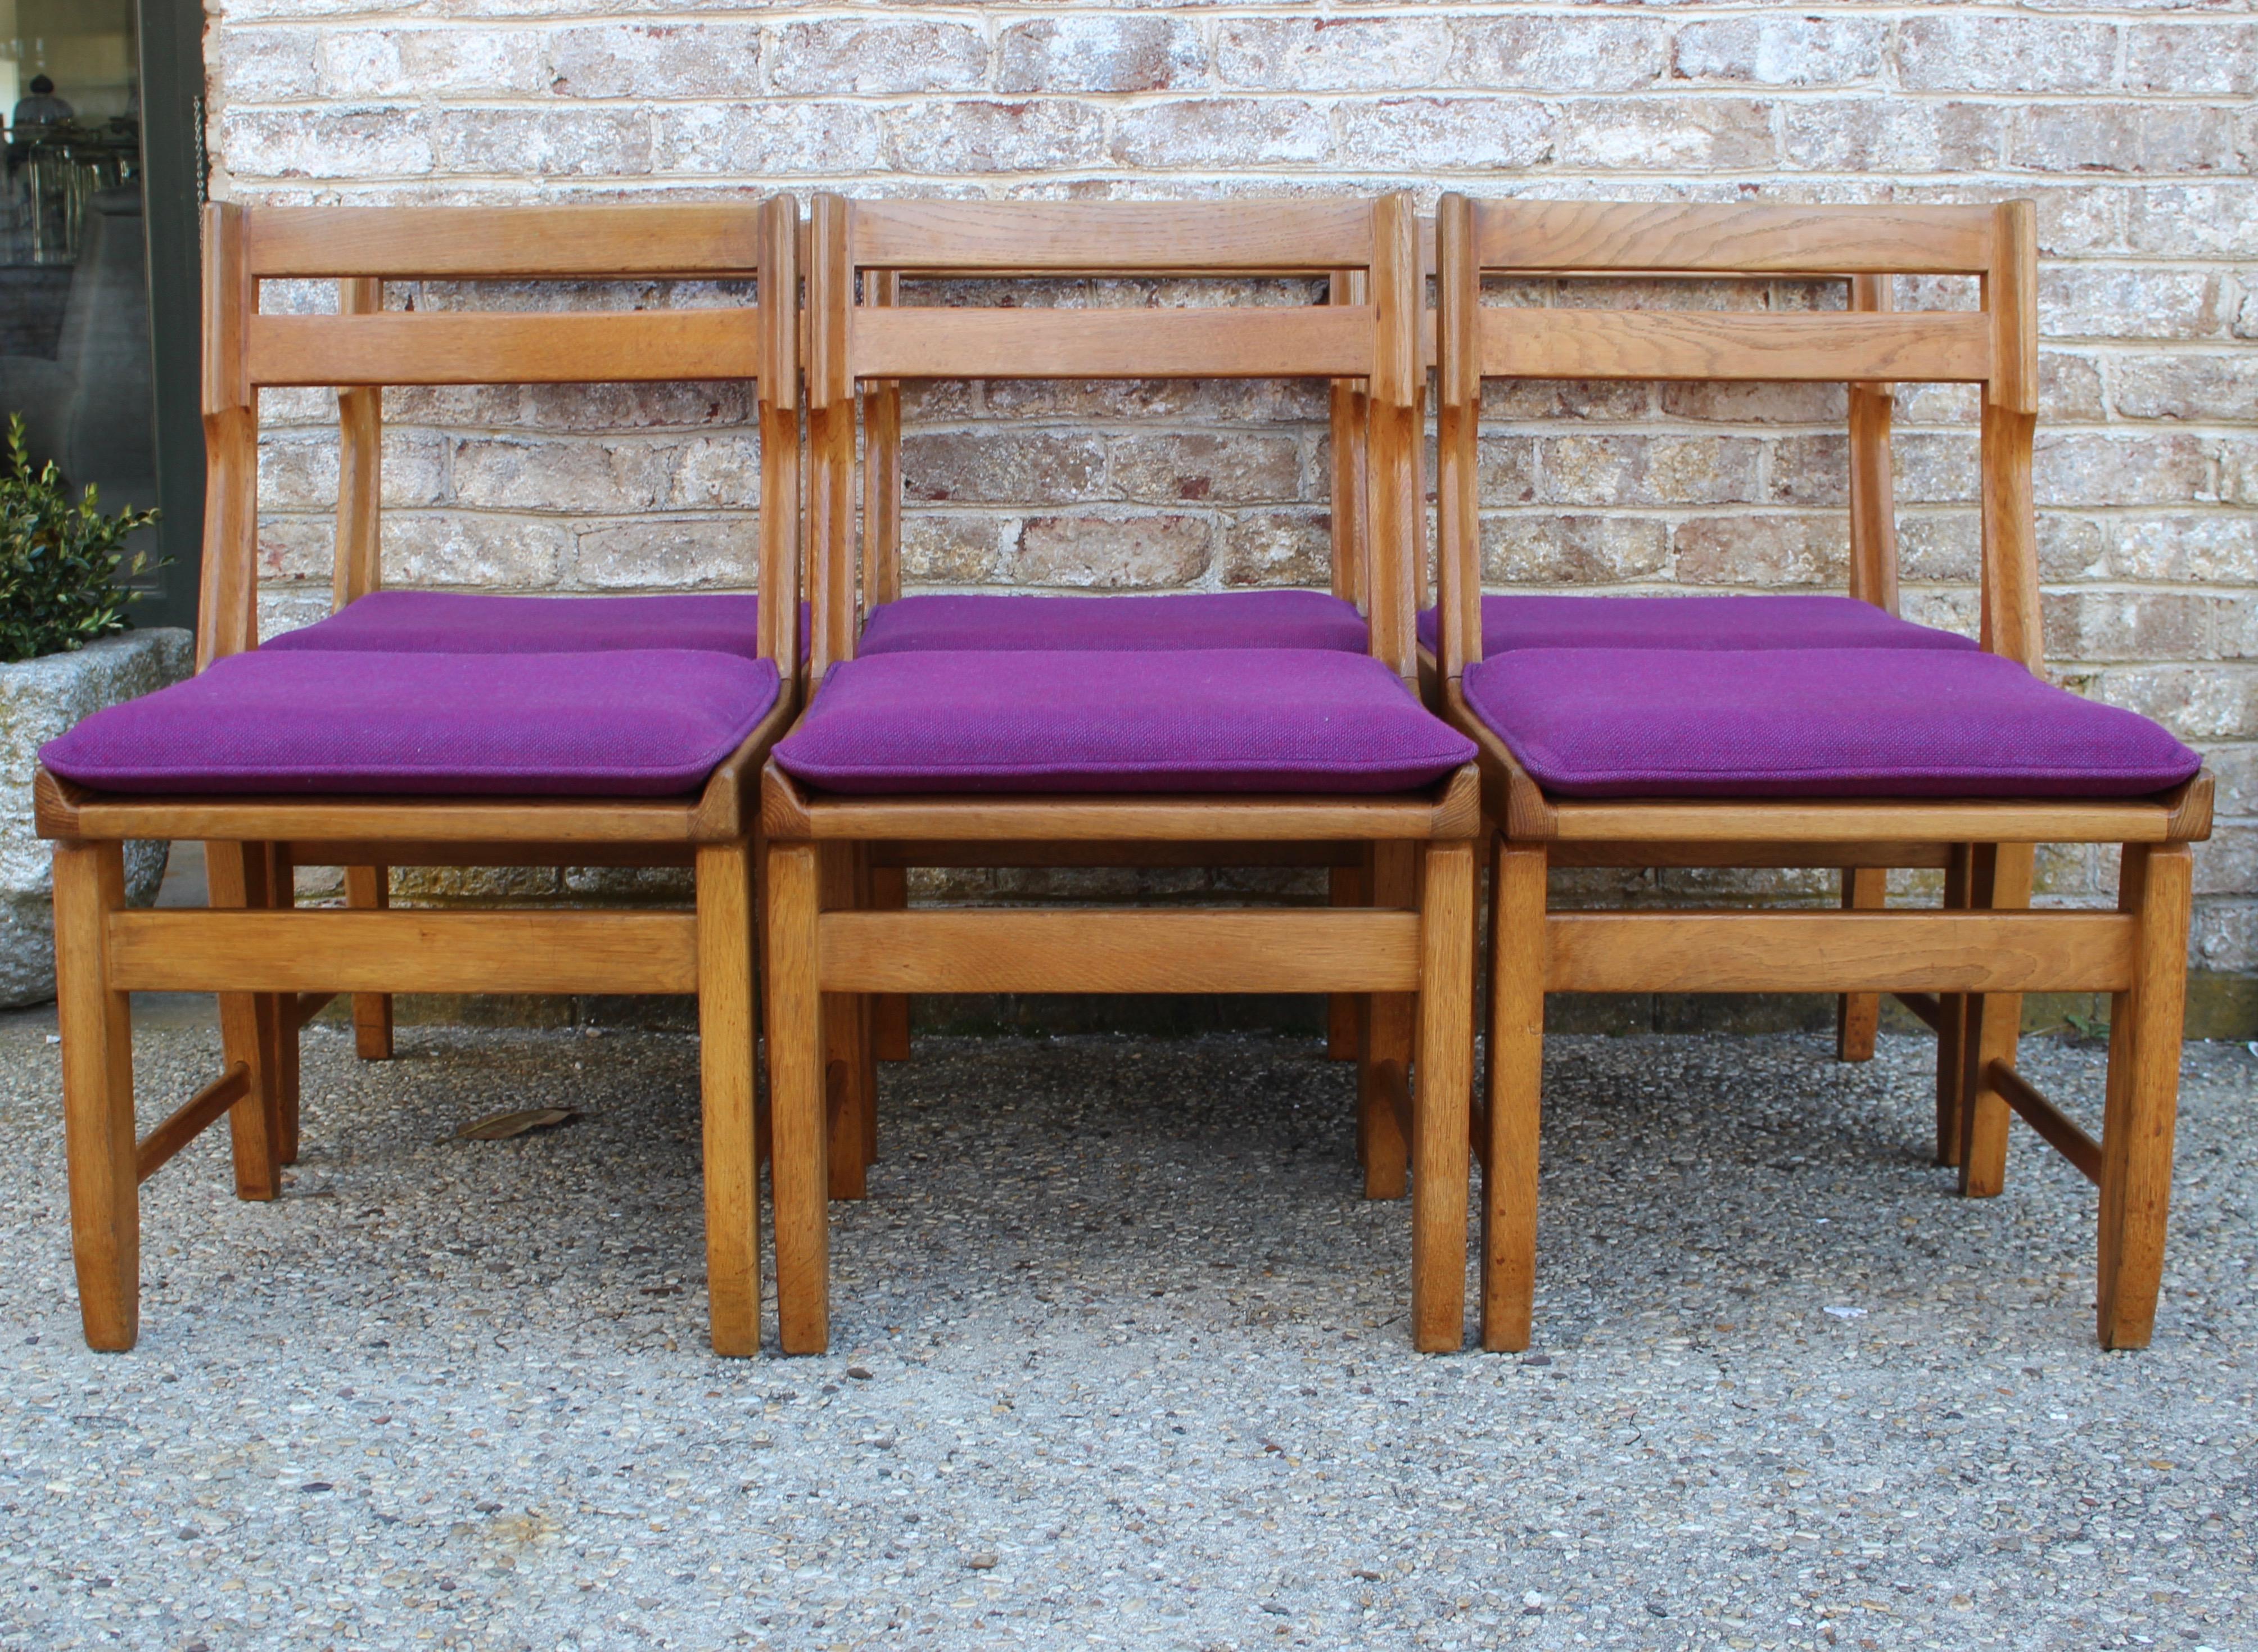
[1693, 622]
[1206, 719]
[471, 622]
[1191, 619]
[1811, 723]
[640, 723]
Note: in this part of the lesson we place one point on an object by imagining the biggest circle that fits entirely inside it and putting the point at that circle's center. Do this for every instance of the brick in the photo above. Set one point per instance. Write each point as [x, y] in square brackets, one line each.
[2088, 468]
[947, 549]
[2077, 302]
[1002, 466]
[767, 140]
[2070, 389]
[2212, 547]
[655, 60]
[1729, 403]
[1112, 552]
[299, 550]
[1649, 134]
[1594, 399]
[486, 553]
[1447, 134]
[890, 56]
[1962, 53]
[2095, 625]
[261, 65]
[2225, 936]
[1938, 545]
[1194, 468]
[717, 472]
[1278, 547]
[1647, 469]
[1092, 399]
[298, 468]
[2193, 59]
[1331, 55]
[509, 472]
[1505, 469]
[543, 143]
[1761, 550]
[420, 63]
[2228, 864]
[1523, 549]
[2091, 136]
[1597, 54]
[2234, 625]
[668, 554]
[1102, 53]
[2199, 703]
[1035, 135]
[1217, 134]
[371, 141]
[2238, 472]
[1808, 470]
[1778, 49]
[629, 407]
[1889, 134]
[1935, 466]
[2221, 388]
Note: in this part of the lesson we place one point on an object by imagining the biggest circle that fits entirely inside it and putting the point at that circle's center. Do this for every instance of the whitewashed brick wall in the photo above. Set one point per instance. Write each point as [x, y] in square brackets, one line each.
[2134, 126]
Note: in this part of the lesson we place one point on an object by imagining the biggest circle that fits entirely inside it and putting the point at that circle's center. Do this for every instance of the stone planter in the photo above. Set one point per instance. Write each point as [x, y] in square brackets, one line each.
[40, 700]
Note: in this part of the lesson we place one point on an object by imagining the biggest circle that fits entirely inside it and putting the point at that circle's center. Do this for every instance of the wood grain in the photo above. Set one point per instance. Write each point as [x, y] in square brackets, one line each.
[797, 1140]
[1696, 239]
[1519, 961]
[1232, 237]
[726, 1056]
[1223, 343]
[487, 243]
[505, 347]
[97, 1070]
[1939, 347]
[1441, 1098]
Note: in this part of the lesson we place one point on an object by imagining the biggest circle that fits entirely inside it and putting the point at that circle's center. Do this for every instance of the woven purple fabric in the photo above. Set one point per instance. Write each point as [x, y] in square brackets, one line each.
[623, 723]
[1207, 719]
[1191, 619]
[471, 622]
[1693, 622]
[1812, 723]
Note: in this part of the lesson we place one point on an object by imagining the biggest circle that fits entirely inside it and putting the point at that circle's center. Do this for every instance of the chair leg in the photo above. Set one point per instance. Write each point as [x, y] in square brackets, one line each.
[1999, 880]
[2146, 1026]
[1440, 1104]
[726, 1056]
[1858, 1015]
[1952, 1024]
[890, 1012]
[1384, 1058]
[236, 875]
[369, 888]
[1344, 1011]
[280, 1020]
[1515, 1095]
[849, 1073]
[799, 1142]
[98, 1058]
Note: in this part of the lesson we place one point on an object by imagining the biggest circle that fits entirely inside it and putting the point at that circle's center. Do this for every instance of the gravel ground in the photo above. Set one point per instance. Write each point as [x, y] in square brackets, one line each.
[1122, 1361]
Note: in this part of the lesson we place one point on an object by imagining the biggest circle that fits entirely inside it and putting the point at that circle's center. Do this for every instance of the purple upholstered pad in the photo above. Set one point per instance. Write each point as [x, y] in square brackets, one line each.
[1207, 719]
[619, 723]
[1811, 723]
[1191, 619]
[470, 622]
[1693, 622]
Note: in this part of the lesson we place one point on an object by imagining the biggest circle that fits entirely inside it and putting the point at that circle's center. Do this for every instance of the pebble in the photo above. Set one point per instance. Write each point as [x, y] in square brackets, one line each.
[1115, 1320]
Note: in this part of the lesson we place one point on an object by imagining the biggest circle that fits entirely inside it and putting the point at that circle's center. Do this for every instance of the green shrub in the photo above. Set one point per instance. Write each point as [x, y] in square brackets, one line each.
[62, 568]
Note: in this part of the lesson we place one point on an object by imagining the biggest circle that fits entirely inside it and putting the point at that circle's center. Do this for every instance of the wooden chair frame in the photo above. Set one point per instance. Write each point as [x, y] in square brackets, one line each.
[1336, 248]
[827, 945]
[275, 967]
[1963, 968]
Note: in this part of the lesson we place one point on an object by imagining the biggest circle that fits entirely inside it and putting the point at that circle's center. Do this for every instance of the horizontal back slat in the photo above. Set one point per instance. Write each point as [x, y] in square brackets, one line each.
[1954, 347]
[1111, 237]
[1322, 342]
[1598, 236]
[503, 243]
[493, 347]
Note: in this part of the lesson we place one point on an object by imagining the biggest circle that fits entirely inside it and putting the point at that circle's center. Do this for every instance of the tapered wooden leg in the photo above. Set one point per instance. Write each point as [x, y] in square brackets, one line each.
[98, 1058]
[278, 1020]
[1440, 1103]
[1384, 1057]
[849, 1073]
[2146, 1024]
[1858, 1015]
[726, 1056]
[890, 1012]
[1342, 1010]
[799, 1142]
[369, 888]
[1952, 1023]
[1515, 1095]
[2000, 879]
[236, 875]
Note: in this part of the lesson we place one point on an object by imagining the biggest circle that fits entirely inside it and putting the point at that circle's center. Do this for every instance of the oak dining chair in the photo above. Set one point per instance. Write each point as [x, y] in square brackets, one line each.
[420, 732]
[1861, 757]
[1105, 754]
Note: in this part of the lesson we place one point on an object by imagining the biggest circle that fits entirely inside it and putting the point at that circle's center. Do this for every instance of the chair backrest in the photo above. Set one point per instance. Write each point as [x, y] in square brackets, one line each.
[1367, 330]
[362, 347]
[1869, 347]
